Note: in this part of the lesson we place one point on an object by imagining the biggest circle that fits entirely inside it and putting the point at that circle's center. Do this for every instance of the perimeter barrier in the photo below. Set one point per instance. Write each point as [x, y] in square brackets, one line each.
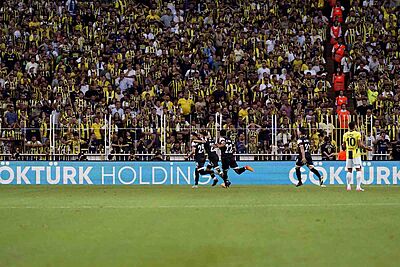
[182, 173]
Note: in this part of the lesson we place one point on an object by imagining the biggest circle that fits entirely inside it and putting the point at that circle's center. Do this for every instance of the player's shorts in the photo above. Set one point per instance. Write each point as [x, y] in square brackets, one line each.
[213, 161]
[200, 162]
[308, 158]
[353, 163]
[229, 162]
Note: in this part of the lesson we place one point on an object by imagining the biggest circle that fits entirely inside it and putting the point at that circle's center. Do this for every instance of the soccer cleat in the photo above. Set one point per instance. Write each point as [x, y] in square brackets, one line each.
[226, 184]
[299, 184]
[360, 189]
[348, 188]
[247, 167]
[321, 182]
[195, 186]
[215, 181]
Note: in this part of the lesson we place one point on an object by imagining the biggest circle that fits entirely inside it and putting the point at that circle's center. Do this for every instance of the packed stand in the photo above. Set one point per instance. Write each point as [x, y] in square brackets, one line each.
[371, 70]
[81, 61]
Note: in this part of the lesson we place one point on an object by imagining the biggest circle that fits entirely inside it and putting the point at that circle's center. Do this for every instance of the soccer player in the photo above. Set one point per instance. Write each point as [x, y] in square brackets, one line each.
[352, 142]
[304, 158]
[213, 158]
[227, 148]
[198, 150]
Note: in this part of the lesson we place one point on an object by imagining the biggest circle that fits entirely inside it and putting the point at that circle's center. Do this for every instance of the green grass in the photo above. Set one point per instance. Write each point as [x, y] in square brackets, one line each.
[178, 226]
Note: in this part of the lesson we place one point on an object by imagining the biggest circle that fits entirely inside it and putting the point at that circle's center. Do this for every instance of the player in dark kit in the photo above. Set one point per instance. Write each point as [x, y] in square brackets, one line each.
[198, 150]
[227, 148]
[304, 158]
[213, 158]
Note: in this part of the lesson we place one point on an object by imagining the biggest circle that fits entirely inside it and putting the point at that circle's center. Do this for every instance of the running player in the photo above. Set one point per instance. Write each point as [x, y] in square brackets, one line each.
[352, 142]
[304, 158]
[198, 150]
[227, 148]
[213, 158]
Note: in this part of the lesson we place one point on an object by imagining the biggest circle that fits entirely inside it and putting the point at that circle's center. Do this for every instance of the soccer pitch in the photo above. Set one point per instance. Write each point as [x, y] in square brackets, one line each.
[179, 226]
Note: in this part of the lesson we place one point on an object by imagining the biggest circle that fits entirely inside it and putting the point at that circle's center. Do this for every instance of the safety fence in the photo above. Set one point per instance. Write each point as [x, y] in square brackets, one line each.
[107, 138]
[182, 173]
[166, 157]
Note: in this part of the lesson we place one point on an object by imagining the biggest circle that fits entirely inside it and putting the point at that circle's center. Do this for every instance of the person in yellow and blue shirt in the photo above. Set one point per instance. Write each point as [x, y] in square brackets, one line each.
[353, 144]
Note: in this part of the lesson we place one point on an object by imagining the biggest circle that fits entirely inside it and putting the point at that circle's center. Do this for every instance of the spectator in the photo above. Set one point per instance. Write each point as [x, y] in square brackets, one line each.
[344, 117]
[342, 154]
[338, 81]
[340, 100]
[241, 146]
[337, 13]
[146, 61]
[186, 105]
[346, 65]
[328, 150]
[283, 137]
[382, 146]
[286, 152]
[396, 150]
[157, 156]
[338, 50]
[336, 33]
[34, 145]
[10, 116]
[362, 110]
[167, 18]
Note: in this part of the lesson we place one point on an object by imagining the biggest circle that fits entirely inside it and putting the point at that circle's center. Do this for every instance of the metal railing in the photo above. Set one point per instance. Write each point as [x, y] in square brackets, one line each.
[166, 157]
[107, 141]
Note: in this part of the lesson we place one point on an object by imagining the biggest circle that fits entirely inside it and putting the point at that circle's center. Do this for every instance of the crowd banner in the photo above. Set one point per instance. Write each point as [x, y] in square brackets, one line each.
[182, 173]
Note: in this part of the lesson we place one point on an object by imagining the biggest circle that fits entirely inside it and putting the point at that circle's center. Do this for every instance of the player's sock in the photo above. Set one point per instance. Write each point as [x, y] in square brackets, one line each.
[349, 177]
[298, 174]
[313, 170]
[225, 178]
[224, 175]
[240, 170]
[212, 175]
[196, 177]
[316, 172]
[218, 170]
[215, 181]
[359, 179]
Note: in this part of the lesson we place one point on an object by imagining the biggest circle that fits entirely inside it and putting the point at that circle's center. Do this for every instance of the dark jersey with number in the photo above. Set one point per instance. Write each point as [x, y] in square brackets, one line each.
[210, 149]
[199, 153]
[229, 147]
[304, 142]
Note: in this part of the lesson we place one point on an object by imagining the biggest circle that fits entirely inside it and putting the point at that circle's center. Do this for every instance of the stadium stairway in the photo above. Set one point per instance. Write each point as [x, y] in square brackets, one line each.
[331, 70]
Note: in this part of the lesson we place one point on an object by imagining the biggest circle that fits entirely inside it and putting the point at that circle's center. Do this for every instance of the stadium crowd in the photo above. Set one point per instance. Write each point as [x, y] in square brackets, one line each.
[309, 63]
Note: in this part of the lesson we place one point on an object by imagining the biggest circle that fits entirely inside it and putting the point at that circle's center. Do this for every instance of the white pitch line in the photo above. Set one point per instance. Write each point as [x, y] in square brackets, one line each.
[205, 206]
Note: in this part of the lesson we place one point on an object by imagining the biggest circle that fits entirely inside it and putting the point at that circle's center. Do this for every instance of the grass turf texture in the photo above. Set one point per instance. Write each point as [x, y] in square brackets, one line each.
[179, 226]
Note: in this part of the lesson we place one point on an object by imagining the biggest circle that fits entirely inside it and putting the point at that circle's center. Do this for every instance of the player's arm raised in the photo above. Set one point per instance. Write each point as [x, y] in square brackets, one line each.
[199, 141]
[221, 144]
